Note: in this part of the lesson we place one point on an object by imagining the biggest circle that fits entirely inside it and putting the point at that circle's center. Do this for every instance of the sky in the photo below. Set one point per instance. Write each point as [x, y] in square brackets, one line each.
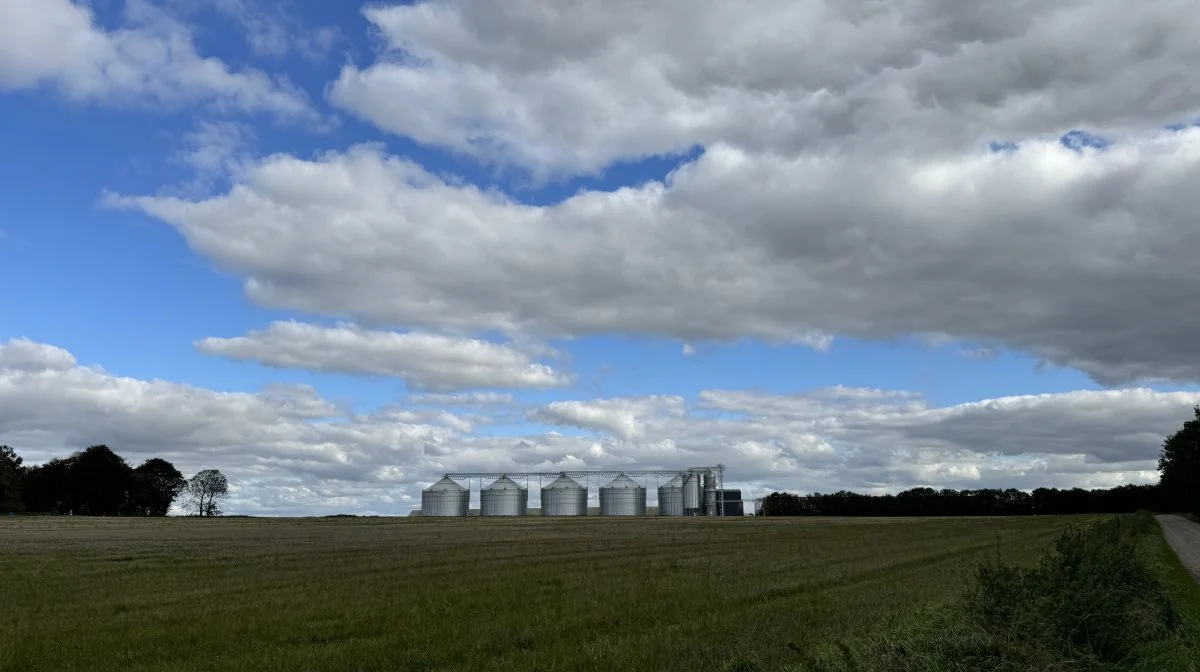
[336, 251]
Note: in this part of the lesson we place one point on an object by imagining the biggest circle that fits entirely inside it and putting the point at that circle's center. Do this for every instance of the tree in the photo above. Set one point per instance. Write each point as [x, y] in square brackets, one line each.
[97, 482]
[12, 474]
[45, 488]
[206, 491]
[153, 487]
[1179, 467]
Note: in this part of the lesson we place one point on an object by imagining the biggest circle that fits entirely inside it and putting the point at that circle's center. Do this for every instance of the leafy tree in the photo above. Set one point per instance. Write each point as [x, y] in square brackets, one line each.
[97, 482]
[45, 488]
[11, 477]
[206, 490]
[1179, 467]
[153, 486]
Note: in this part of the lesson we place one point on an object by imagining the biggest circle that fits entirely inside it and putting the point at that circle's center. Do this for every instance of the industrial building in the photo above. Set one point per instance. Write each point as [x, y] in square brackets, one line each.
[694, 491]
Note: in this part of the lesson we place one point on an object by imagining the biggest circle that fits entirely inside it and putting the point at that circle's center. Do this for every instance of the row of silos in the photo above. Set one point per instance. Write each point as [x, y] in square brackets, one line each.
[563, 497]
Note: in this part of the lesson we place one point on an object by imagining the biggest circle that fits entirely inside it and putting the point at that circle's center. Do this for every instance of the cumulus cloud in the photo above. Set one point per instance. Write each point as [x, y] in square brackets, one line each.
[1080, 257]
[881, 441]
[287, 450]
[461, 398]
[424, 361]
[269, 442]
[151, 60]
[575, 87]
[624, 418]
[24, 355]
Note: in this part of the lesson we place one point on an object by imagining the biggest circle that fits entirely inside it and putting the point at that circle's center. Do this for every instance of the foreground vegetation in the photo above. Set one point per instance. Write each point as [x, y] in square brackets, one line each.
[1110, 596]
[471, 594]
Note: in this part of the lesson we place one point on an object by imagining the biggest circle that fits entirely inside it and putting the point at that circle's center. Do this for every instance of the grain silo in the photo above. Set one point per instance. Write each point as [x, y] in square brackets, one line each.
[445, 498]
[564, 497]
[622, 497]
[670, 497]
[504, 497]
[691, 494]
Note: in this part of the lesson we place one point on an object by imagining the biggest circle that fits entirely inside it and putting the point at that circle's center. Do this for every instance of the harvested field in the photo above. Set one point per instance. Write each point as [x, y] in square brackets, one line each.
[471, 594]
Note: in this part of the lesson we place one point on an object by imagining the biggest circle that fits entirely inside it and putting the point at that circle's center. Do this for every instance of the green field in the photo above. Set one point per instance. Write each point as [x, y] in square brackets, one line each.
[471, 594]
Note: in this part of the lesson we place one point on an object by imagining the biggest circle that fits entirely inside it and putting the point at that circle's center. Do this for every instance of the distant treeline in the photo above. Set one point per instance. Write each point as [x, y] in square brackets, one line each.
[98, 482]
[987, 502]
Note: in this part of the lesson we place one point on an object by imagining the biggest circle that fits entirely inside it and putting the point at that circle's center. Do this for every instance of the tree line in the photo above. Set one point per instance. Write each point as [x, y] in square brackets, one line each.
[983, 502]
[98, 482]
[1178, 490]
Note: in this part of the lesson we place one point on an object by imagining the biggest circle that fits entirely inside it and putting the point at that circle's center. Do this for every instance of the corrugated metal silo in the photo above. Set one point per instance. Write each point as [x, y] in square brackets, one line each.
[670, 497]
[622, 497]
[564, 497]
[445, 498]
[691, 494]
[504, 497]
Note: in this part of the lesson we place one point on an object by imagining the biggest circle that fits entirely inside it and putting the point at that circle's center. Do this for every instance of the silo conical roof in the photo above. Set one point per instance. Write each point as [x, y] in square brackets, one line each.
[622, 482]
[563, 482]
[505, 483]
[445, 484]
[676, 482]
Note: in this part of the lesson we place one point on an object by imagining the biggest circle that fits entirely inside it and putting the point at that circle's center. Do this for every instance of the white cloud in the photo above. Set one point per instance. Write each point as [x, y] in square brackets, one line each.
[287, 450]
[214, 151]
[150, 61]
[574, 87]
[424, 361]
[22, 354]
[461, 398]
[689, 350]
[1080, 258]
[624, 418]
[214, 146]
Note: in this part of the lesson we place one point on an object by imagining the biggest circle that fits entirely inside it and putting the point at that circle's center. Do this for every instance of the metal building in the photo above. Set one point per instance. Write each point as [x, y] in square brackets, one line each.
[622, 497]
[445, 498]
[731, 503]
[670, 497]
[504, 497]
[564, 497]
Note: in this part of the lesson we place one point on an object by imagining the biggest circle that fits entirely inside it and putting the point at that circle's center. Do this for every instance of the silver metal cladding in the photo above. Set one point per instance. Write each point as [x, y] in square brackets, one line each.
[445, 498]
[670, 497]
[504, 497]
[623, 497]
[564, 497]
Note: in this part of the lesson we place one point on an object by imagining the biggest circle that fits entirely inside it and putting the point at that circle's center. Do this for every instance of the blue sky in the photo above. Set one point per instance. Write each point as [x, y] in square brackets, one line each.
[733, 209]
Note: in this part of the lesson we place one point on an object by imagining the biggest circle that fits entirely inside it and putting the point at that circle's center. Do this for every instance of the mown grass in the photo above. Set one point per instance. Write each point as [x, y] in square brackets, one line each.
[522, 594]
[1107, 596]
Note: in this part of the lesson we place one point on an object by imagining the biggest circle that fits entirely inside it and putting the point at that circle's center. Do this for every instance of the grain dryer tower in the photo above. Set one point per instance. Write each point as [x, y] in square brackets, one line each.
[504, 497]
[623, 497]
[564, 497]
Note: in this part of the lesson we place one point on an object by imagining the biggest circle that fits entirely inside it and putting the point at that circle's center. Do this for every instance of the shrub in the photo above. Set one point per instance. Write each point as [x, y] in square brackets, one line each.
[1094, 595]
[1090, 604]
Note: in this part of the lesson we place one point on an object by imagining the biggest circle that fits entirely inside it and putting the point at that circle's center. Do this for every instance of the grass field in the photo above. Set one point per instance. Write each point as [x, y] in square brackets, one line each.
[471, 594]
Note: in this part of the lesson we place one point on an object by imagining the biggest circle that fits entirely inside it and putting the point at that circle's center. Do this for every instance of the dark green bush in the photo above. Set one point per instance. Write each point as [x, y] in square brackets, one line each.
[1090, 604]
[1094, 595]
